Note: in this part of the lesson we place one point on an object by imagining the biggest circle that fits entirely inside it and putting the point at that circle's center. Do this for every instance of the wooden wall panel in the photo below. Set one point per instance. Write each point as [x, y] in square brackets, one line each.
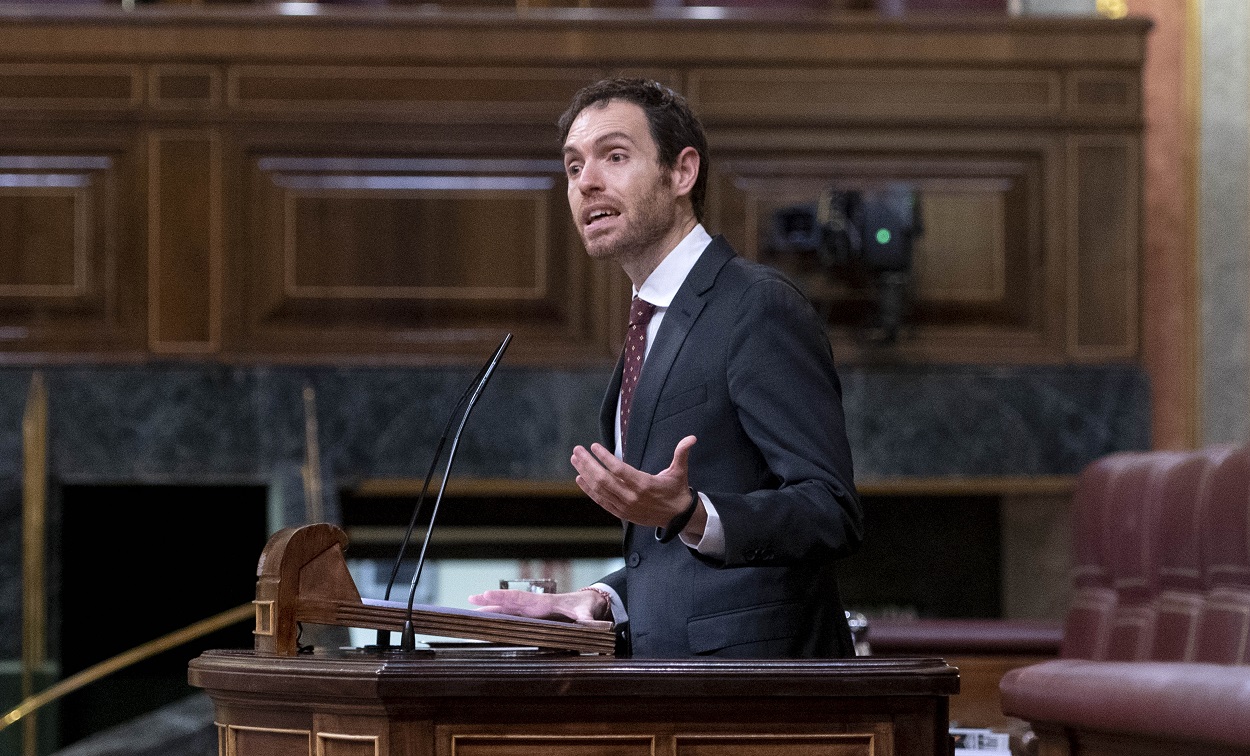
[428, 94]
[356, 253]
[979, 287]
[60, 265]
[46, 231]
[1104, 246]
[1107, 94]
[182, 87]
[962, 254]
[184, 242]
[871, 94]
[68, 86]
[338, 188]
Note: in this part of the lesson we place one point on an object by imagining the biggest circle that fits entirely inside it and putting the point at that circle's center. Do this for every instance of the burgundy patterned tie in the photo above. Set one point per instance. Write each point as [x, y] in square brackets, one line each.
[640, 312]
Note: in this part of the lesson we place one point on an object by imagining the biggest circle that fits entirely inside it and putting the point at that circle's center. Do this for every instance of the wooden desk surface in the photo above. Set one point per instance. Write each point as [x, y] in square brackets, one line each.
[394, 674]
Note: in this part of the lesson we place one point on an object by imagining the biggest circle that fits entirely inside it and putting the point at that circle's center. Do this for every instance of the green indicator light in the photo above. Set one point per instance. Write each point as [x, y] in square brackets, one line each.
[883, 236]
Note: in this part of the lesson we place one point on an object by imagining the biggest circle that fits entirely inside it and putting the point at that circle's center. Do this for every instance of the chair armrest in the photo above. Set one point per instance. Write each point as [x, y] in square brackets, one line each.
[1208, 703]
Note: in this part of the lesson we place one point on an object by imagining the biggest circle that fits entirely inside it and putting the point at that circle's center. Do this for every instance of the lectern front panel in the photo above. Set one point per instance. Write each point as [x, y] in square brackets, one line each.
[391, 704]
[552, 745]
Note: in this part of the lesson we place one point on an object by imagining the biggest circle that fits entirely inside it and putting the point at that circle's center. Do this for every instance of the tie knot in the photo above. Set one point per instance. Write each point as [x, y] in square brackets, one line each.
[640, 312]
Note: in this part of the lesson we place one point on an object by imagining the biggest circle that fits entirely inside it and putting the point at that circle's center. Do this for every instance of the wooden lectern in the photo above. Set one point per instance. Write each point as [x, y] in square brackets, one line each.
[303, 577]
[547, 693]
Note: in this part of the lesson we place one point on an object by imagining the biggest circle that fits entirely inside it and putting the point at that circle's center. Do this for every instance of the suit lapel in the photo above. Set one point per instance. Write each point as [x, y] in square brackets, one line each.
[678, 320]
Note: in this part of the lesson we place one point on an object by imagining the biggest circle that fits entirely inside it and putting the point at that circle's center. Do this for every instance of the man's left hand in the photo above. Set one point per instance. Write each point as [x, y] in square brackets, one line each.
[629, 493]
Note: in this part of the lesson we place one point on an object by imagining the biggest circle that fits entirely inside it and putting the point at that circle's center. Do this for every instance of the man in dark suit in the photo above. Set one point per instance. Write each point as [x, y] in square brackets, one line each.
[725, 450]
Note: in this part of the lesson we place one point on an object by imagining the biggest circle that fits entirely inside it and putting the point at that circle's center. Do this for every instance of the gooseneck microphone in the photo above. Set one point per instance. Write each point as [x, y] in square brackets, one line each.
[384, 635]
[468, 399]
[429, 474]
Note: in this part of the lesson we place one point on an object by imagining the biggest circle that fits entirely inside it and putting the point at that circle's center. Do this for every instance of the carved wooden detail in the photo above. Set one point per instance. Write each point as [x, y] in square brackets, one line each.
[240, 184]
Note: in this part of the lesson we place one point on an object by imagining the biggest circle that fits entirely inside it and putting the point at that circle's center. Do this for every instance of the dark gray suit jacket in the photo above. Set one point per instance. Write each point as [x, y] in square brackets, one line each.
[742, 361]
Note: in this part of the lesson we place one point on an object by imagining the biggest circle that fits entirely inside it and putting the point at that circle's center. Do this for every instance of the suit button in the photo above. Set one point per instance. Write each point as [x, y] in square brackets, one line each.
[634, 559]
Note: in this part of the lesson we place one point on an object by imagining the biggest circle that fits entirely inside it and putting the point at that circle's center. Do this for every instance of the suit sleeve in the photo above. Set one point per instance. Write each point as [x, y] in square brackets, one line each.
[785, 389]
[616, 580]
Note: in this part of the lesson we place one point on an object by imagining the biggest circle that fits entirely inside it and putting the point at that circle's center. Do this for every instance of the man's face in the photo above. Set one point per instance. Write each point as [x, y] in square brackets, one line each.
[622, 199]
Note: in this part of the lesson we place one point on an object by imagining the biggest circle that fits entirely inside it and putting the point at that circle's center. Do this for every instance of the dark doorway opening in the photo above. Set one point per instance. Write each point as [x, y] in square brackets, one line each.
[138, 562]
[927, 556]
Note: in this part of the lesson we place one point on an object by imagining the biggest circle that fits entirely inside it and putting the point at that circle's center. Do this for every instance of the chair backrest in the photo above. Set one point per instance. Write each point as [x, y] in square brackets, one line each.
[1178, 547]
[1223, 632]
[1134, 511]
[1087, 625]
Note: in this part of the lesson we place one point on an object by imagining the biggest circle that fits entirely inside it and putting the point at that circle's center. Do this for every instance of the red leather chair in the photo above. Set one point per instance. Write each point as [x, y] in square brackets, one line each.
[1179, 579]
[1134, 511]
[1172, 681]
[1087, 624]
[1223, 627]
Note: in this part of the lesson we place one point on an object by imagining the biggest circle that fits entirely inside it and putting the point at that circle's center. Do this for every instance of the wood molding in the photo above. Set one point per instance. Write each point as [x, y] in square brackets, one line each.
[928, 486]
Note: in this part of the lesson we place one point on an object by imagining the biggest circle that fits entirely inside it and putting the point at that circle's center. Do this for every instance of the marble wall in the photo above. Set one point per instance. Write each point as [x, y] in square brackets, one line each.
[1224, 221]
[210, 424]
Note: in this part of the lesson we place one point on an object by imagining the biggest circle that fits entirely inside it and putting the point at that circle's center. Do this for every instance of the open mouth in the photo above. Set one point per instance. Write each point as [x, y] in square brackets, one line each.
[597, 215]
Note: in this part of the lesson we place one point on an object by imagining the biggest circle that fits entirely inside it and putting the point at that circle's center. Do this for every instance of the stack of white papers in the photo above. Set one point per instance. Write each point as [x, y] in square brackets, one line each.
[975, 742]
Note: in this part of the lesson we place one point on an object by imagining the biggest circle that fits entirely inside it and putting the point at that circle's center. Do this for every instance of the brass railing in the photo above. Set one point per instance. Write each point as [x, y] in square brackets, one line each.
[34, 592]
[34, 525]
[34, 702]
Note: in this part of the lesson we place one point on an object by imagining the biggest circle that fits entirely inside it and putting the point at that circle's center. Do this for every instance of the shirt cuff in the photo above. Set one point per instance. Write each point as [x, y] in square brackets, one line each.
[712, 544]
[619, 615]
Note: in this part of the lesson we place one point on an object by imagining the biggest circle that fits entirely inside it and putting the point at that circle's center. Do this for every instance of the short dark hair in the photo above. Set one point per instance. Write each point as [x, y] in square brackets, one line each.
[674, 126]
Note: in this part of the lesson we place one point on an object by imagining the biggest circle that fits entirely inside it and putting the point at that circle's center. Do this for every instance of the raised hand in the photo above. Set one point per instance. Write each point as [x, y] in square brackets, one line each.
[629, 493]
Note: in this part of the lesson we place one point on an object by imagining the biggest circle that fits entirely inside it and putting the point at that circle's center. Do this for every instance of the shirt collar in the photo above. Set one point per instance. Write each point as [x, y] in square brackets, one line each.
[662, 285]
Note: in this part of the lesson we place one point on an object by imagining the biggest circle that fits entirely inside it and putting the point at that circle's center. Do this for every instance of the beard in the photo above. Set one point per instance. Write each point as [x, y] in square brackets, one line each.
[652, 218]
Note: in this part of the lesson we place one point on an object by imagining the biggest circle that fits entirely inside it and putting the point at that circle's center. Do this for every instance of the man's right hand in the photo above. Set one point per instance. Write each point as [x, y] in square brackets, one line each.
[579, 606]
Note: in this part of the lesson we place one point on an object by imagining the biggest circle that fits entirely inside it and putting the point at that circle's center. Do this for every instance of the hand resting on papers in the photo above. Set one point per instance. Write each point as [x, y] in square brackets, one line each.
[583, 607]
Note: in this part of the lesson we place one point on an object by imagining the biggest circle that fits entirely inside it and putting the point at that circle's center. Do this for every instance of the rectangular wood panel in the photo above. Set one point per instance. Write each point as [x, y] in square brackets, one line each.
[427, 93]
[407, 251]
[244, 741]
[961, 256]
[185, 87]
[975, 275]
[835, 744]
[418, 239]
[25, 85]
[553, 745]
[1115, 94]
[335, 744]
[62, 257]
[1104, 262]
[44, 233]
[737, 95]
[184, 243]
